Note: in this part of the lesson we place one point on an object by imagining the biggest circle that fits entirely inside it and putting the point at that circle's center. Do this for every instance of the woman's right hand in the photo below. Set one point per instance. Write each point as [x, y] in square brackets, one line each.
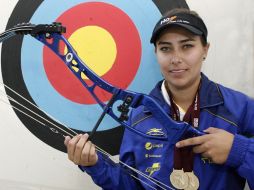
[81, 151]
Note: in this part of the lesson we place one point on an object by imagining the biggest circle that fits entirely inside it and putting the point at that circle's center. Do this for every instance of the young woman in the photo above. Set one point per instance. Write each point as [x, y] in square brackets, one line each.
[220, 159]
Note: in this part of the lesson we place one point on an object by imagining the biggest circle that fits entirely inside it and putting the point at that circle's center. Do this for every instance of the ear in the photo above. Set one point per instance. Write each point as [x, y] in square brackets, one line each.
[206, 48]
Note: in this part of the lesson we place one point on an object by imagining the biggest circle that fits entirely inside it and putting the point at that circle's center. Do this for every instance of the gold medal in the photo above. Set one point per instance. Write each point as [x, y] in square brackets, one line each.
[193, 181]
[179, 179]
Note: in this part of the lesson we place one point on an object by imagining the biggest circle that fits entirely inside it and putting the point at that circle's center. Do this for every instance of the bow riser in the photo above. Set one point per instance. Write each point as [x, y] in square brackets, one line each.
[78, 67]
[50, 35]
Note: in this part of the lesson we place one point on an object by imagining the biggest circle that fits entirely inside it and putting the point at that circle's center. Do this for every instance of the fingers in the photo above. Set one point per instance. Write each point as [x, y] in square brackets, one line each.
[201, 146]
[66, 140]
[93, 154]
[192, 141]
[215, 145]
[208, 154]
[80, 145]
[198, 140]
[80, 150]
[71, 145]
[89, 155]
[212, 130]
[199, 149]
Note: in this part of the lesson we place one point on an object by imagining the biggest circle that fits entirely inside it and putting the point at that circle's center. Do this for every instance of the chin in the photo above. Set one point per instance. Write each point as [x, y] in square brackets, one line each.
[177, 81]
[179, 85]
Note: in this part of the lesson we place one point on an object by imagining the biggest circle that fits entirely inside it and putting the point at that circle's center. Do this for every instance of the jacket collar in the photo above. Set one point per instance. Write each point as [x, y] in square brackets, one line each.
[210, 94]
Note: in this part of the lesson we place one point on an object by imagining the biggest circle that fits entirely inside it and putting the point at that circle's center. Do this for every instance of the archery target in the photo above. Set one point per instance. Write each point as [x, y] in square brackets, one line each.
[111, 37]
[104, 46]
[127, 70]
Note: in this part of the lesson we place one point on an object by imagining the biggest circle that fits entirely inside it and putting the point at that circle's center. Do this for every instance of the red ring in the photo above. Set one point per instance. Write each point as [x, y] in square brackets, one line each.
[128, 44]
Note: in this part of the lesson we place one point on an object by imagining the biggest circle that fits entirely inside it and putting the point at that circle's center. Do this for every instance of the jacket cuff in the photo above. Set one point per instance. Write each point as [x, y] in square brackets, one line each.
[238, 151]
[96, 169]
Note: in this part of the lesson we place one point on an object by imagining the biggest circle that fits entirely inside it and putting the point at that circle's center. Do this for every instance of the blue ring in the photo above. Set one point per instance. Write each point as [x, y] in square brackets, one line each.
[74, 115]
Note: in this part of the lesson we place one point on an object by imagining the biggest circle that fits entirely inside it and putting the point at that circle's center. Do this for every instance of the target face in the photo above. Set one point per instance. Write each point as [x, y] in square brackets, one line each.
[102, 43]
[112, 38]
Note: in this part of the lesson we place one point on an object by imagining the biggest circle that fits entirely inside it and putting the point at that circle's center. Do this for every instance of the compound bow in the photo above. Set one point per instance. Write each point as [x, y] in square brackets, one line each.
[51, 36]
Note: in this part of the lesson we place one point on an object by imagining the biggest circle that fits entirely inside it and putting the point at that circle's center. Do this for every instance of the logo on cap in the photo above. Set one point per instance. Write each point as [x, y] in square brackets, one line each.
[169, 19]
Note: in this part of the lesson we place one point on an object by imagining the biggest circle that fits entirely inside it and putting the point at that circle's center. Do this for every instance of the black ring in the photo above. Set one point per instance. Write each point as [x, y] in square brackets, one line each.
[108, 140]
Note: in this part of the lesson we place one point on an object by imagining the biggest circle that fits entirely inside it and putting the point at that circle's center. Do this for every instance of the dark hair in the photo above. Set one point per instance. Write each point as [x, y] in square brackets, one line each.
[181, 10]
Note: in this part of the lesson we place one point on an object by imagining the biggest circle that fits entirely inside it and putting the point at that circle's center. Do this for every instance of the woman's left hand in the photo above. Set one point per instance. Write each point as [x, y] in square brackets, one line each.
[215, 145]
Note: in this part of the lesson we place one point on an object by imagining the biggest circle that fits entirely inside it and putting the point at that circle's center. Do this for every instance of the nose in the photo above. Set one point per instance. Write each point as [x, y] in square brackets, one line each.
[176, 59]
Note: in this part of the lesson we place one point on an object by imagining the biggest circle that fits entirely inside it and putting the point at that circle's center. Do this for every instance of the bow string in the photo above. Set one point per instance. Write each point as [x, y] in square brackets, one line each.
[51, 36]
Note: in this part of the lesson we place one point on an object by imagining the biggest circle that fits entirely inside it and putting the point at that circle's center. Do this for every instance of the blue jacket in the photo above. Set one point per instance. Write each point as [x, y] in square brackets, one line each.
[221, 108]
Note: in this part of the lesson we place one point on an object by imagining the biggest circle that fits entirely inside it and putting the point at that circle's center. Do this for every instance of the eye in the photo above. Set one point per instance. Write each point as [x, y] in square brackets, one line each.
[165, 48]
[188, 46]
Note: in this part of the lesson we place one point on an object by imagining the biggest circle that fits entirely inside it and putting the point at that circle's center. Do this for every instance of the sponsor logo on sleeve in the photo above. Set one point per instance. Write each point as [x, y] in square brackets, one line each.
[155, 132]
[150, 146]
[155, 167]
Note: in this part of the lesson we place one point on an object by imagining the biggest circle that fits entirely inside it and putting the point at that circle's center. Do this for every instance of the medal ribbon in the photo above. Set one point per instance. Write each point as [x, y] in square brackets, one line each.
[183, 157]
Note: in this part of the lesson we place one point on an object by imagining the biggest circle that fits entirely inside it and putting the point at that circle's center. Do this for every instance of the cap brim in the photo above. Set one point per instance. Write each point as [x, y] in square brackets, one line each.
[186, 26]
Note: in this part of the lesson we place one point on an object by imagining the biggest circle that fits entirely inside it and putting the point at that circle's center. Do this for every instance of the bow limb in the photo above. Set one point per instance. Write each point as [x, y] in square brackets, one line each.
[130, 99]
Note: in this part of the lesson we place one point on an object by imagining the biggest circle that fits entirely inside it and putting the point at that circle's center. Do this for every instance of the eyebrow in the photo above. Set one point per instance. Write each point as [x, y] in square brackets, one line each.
[181, 41]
